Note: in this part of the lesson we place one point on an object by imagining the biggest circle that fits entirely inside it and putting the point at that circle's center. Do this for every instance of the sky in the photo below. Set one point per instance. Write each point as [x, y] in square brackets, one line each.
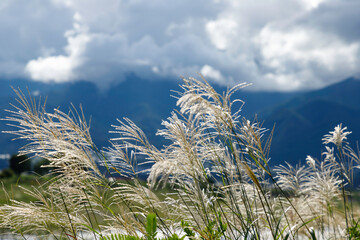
[278, 45]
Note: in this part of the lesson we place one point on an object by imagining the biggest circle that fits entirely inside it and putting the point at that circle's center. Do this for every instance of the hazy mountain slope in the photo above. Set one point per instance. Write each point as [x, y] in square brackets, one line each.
[302, 121]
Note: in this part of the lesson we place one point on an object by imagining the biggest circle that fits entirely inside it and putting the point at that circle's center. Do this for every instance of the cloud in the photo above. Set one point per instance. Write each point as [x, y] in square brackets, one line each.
[340, 18]
[311, 4]
[222, 32]
[209, 72]
[28, 28]
[61, 68]
[276, 44]
[307, 55]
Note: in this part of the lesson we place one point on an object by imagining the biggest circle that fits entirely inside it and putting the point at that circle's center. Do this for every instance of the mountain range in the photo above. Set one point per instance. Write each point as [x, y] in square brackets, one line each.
[301, 122]
[300, 118]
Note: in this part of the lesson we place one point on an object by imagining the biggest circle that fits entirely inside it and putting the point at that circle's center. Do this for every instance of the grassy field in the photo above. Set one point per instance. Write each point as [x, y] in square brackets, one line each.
[14, 187]
[216, 165]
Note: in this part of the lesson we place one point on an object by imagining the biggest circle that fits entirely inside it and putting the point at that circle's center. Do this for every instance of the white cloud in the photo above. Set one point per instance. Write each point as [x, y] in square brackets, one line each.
[304, 46]
[57, 68]
[27, 28]
[61, 68]
[222, 32]
[155, 69]
[209, 72]
[276, 44]
[298, 51]
[311, 4]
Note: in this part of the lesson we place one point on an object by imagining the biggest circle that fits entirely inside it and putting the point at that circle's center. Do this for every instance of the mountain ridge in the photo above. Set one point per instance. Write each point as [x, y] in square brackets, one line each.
[302, 121]
[301, 118]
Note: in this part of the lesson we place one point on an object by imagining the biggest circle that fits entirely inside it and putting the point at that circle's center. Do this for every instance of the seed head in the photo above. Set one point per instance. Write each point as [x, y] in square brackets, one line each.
[337, 136]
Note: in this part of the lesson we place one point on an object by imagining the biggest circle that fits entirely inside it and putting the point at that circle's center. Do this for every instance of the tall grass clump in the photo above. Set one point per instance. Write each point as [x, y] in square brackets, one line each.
[215, 169]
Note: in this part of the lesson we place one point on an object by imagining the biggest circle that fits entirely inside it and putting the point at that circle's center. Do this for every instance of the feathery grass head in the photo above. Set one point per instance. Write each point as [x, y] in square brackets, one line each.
[337, 137]
[63, 139]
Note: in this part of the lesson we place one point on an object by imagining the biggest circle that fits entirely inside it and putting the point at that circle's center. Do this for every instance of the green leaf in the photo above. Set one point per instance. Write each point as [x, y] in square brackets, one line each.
[151, 226]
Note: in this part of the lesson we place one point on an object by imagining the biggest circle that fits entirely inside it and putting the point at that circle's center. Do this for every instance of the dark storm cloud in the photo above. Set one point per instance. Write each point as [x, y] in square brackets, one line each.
[340, 18]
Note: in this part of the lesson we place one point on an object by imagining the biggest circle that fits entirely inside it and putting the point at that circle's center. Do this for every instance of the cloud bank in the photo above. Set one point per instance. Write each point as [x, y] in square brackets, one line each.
[278, 45]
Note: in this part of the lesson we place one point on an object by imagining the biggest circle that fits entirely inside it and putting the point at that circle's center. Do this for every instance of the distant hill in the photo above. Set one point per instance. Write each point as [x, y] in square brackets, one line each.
[301, 122]
[301, 118]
